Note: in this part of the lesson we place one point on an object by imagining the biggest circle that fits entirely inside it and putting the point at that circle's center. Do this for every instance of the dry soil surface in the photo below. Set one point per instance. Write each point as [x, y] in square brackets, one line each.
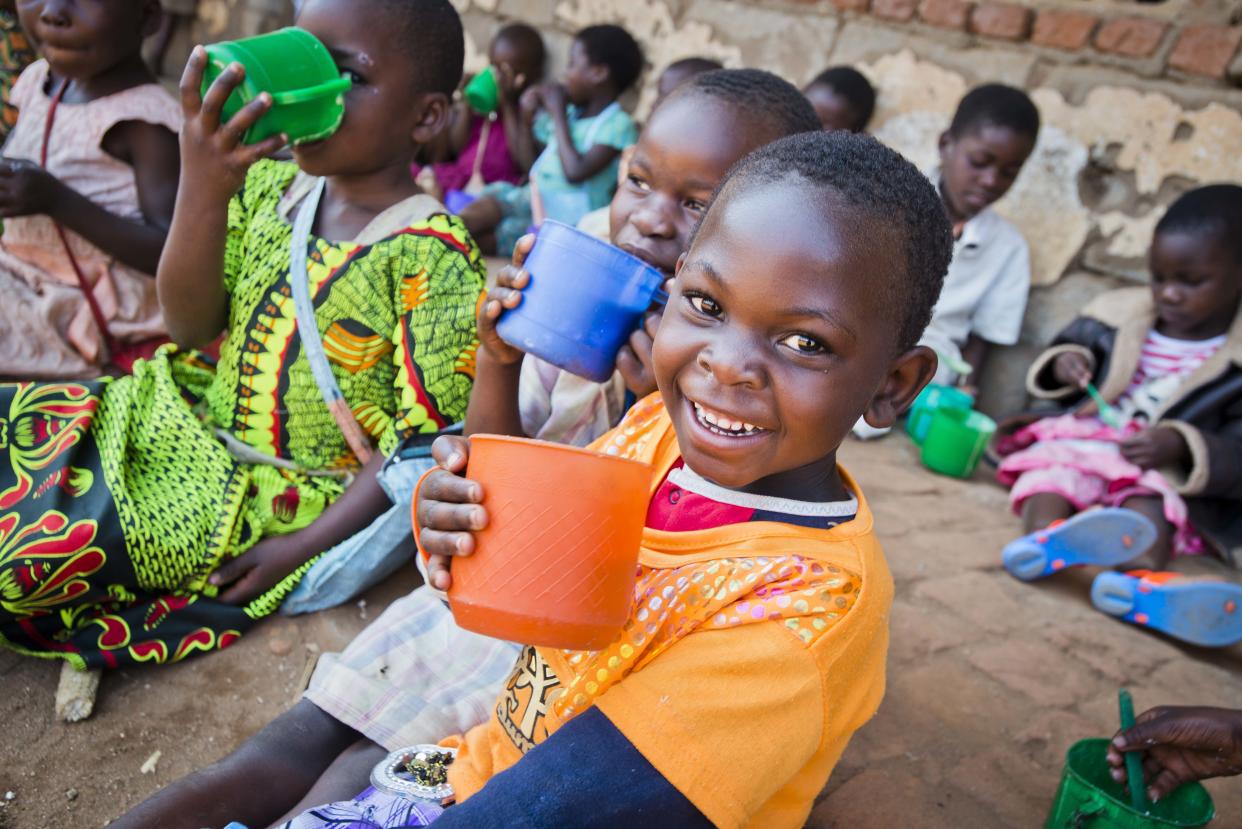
[990, 681]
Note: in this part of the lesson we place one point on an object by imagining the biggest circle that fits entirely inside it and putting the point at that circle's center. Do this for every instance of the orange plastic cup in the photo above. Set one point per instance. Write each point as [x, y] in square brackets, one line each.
[557, 562]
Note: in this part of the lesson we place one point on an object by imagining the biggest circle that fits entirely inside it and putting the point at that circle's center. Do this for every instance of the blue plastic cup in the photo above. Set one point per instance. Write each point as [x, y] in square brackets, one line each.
[584, 299]
[457, 200]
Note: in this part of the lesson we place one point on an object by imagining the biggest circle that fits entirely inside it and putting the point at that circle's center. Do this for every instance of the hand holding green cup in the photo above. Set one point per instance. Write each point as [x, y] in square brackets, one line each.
[298, 72]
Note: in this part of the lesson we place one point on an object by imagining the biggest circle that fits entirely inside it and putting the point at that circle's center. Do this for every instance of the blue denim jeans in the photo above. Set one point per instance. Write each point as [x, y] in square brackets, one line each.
[374, 553]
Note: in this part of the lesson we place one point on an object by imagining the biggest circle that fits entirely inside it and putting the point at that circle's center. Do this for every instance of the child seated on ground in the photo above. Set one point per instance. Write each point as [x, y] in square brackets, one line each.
[87, 186]
[991, 136]
[476, 148]
[984, 299]
[759, 558]
[577, 131]
[1167, 450]
[187, 500]
[520, 395]
[413, 676]
[843, 98]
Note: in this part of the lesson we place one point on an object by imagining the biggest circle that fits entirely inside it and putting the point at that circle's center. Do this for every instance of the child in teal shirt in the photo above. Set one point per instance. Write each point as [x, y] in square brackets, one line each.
[575, 133]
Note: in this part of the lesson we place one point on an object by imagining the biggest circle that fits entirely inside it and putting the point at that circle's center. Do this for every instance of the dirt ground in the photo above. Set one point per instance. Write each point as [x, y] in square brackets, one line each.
[990, 681]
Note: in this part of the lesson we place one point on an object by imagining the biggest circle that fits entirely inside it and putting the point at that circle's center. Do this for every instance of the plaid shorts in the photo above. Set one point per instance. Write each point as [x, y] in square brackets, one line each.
[413, 676]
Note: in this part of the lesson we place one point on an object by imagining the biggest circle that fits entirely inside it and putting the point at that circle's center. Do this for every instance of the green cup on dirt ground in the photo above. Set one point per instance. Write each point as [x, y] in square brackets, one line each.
[1089, 798]
[956, 440]
[299, 73]
[935, 396]
[483, 92]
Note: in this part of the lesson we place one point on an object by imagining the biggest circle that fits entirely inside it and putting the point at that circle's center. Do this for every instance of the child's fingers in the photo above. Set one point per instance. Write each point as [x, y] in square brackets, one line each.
[511, 276]
[506, 298]
[438, 575]
[451, 516]
[192, 81]
[450, 488]
[447, 544]
[245, 118]
[522, 249]
[231, 570]
[264, 149]
[218, 93]
[450, 452]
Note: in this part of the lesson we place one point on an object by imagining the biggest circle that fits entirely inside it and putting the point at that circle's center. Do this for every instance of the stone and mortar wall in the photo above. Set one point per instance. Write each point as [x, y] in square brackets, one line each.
[1140, 102]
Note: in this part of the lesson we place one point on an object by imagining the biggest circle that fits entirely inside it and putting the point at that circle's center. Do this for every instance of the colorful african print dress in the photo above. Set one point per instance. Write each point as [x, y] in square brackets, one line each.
[119, 497]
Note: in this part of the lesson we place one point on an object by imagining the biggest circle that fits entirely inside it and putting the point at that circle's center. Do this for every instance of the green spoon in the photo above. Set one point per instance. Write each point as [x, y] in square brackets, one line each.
[1134, 764]
[1108, 413]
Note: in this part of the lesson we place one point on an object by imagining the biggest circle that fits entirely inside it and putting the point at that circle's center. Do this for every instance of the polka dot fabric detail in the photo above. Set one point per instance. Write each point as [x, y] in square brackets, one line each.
[805, 596]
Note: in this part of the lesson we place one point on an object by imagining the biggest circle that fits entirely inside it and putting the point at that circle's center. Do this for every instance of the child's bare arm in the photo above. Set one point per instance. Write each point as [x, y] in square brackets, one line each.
[494, 405]
[27, 189]
[214, 163]
[578, 167]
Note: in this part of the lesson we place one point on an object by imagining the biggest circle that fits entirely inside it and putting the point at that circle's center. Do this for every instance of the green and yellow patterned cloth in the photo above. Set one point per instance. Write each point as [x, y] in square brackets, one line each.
[118, 497]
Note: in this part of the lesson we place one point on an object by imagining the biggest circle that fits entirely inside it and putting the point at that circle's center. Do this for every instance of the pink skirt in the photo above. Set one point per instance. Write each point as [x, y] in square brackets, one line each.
[1079, 458]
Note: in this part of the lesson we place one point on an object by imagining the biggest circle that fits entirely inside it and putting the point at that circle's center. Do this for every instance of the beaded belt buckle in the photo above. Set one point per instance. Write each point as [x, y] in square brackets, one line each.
[426, 764]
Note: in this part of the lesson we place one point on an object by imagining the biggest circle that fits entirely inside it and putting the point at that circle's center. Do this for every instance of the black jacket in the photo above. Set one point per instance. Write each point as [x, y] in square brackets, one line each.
[1206, 409]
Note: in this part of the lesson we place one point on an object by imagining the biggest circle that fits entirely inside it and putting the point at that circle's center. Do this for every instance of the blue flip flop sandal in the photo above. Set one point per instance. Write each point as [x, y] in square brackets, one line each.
[1207, 613]
[1102, 537]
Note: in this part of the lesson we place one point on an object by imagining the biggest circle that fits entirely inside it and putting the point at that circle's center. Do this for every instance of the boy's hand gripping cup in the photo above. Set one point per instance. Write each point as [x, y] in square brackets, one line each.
[584, 299]
[557, 563]
[298, 72]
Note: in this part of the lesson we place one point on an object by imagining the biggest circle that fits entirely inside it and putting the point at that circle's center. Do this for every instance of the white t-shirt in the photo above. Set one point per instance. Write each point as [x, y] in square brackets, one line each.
[986, 289]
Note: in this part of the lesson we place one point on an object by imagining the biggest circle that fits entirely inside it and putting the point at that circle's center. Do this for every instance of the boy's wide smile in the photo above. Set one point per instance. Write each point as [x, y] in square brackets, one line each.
[761, 383]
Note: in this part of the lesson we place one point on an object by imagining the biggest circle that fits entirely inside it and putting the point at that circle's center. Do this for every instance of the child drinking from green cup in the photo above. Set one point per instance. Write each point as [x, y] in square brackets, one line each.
[198, 495]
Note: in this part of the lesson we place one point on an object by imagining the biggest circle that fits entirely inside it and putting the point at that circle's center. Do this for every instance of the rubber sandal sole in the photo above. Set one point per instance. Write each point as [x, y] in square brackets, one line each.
[1101, 537]
[1207, 613]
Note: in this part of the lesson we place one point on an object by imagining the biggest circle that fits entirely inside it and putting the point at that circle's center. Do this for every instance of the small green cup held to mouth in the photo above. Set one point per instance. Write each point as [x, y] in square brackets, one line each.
[297, 70]
[483, 92]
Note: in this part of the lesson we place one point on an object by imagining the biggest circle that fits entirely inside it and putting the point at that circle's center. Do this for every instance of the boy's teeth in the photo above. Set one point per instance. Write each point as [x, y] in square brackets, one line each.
[723, 425]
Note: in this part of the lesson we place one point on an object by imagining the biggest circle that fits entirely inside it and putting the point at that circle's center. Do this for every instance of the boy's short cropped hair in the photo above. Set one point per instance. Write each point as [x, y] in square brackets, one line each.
[854, 87]
[996, 105]
[1214, 209]
[614, 47]
[694, 66]
[434, 40]
[760, 94]
[888, 189]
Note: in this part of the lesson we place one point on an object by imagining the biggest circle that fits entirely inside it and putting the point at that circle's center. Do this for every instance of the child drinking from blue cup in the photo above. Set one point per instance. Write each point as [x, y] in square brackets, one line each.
[675, 166]
[576, 132]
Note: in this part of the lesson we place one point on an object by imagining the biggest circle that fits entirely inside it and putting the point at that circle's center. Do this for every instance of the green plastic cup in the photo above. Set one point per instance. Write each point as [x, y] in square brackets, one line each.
[483, 92]
[934, 396]
[956, 440]
[299, 73]
[1089, 798]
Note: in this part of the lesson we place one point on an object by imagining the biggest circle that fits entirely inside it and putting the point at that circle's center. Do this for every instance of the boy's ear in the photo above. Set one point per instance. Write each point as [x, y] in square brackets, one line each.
[907, 376]
[598, 73]
[945, 141]
[152, 16]
[433, 109]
